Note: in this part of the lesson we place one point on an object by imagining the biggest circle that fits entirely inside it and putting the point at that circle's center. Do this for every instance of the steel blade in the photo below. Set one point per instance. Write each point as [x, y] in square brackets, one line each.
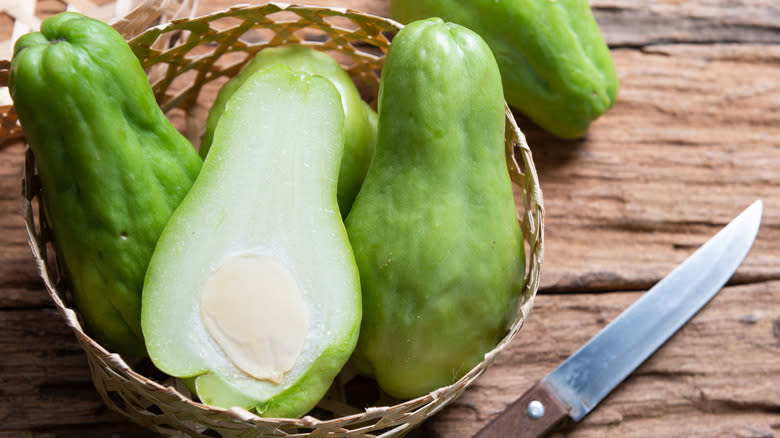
[588, 375]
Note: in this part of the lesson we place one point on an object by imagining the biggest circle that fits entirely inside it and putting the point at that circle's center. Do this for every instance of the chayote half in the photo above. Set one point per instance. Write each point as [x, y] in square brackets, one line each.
[253, 289]
[359, 118]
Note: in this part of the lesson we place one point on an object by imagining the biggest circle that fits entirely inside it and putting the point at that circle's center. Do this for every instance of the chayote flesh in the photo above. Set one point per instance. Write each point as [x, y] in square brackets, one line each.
[434, 229]
[359, 118]
[252, 295]
[111, 165]
[555, 65]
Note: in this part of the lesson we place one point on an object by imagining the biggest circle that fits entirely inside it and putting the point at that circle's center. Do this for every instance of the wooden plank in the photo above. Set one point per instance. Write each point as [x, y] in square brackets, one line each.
[713, 378]
[106, 430]
[717, 372]
[628, 23]
[20, 284]
[691, 141]
[44, 376]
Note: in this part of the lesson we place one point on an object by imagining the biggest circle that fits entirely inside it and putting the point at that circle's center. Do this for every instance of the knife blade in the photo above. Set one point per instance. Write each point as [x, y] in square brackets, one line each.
[595, 369]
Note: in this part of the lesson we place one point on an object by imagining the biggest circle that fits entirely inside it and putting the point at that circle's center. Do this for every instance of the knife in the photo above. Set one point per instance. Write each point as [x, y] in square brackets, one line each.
[586, 377]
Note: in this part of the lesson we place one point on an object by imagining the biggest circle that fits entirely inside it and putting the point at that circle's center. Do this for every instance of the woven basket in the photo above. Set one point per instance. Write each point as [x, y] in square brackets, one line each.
[128, 17]
[200, 54]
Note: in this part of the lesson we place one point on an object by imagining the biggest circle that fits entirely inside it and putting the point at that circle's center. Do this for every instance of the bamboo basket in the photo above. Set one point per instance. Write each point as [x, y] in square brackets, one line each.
[197, 55]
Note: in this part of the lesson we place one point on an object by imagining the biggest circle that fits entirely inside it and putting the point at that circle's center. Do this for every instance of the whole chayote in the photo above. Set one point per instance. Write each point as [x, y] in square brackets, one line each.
[434, 229]
[555, 65]
[111, 165]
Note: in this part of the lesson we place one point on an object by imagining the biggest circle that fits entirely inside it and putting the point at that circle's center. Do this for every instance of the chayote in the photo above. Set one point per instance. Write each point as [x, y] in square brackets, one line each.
[252, 295]
[359, 130]
[111, 165]
[555, 65]
[434, 229]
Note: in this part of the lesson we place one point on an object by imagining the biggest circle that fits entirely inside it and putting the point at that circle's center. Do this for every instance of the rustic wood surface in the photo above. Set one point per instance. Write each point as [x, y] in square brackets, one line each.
[693, 139]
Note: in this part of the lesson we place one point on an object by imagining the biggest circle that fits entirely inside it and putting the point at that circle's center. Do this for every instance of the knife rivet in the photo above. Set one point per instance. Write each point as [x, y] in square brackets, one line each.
[535, 409]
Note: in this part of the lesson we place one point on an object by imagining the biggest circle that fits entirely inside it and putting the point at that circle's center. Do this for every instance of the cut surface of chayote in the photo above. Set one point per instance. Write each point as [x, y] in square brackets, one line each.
[434, 229]
[112, 167]
[359, 131]
[253, 291]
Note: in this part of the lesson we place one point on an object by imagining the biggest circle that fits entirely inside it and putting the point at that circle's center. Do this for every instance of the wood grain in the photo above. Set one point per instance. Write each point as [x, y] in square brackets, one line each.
[636, 24]
[713, 378]
[693, 139]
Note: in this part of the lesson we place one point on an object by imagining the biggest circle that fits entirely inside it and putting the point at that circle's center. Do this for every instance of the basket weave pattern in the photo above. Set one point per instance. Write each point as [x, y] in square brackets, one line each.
[128, 17]
[196, 57]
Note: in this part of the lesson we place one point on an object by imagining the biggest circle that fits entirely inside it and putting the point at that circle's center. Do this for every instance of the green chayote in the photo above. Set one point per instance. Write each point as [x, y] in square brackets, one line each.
[555, 65]
[434, 229]
[112, 166]
[264, 276]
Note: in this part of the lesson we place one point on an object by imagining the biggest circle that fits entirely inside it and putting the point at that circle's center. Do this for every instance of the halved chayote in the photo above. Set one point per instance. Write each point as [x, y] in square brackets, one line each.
[253, 289]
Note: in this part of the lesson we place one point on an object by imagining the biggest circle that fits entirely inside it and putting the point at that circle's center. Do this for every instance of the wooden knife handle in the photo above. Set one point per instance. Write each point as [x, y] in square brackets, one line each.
[521, 420]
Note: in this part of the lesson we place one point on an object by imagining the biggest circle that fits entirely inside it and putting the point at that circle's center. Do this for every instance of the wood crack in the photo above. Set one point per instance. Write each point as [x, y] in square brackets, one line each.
[648, 46]
[691, 24]
[625, 285]
[720, 406]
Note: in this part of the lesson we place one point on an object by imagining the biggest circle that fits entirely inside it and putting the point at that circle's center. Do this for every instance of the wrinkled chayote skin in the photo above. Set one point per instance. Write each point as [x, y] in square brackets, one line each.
[112, 167]
[359, 118]
[434, 229]
[555, 65]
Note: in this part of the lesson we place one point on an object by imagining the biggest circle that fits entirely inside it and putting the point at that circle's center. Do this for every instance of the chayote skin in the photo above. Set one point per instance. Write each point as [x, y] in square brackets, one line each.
[555, 65]
[359, 121]
[112, 167]
[434, 229]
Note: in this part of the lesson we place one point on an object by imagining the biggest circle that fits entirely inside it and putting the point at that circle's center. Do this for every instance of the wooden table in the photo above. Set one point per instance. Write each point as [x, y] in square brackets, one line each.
[693, 139]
